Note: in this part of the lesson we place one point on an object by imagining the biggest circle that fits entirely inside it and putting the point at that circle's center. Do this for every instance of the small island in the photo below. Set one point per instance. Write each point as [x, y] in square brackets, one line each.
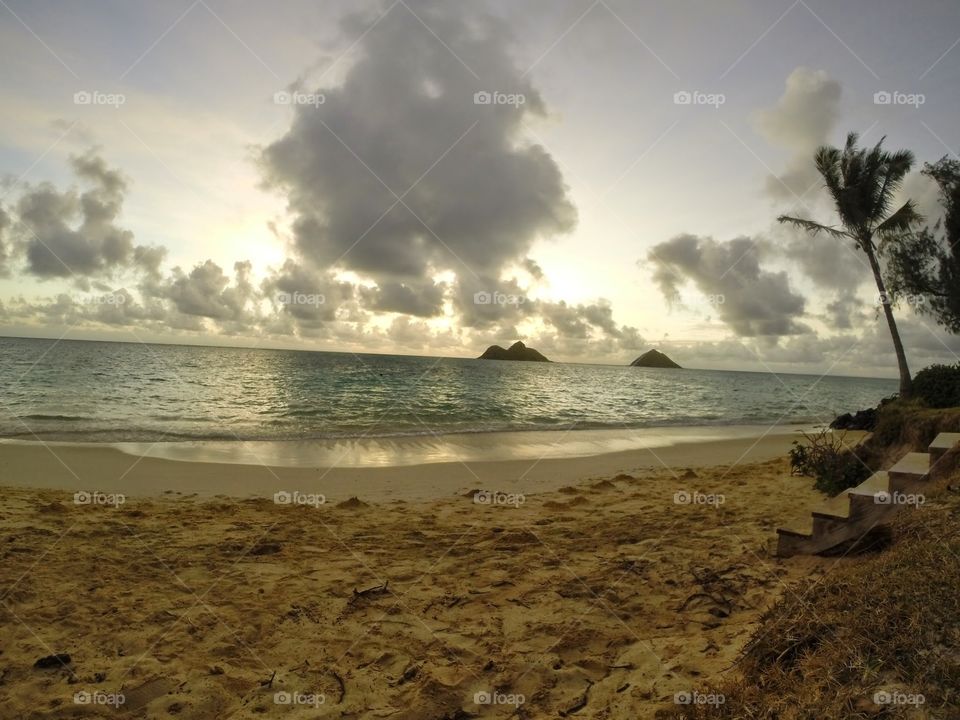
[655, 359]
[517, 351]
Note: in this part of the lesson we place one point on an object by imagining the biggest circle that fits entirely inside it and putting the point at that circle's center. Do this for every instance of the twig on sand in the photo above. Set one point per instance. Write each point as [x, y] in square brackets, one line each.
[269, 682]
[580, 704]
[369, 592]
[343, 686]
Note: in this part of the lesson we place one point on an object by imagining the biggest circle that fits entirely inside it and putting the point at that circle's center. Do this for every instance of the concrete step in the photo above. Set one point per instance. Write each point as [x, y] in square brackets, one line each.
[793, 541]
[878, 482]
[845, 517]
[911, 473]
[941, 444]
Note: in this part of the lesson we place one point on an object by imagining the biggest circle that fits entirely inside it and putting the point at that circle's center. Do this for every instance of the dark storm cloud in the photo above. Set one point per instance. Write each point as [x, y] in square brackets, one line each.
[750, 300]
[404, 123]
[76, 234]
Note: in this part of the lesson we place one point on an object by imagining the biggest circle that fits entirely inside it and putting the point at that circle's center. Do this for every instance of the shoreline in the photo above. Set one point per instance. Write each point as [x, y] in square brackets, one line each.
[110, 469]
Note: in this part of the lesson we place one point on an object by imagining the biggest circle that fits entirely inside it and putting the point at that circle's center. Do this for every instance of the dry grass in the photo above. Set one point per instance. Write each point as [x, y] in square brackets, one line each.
[888, 622]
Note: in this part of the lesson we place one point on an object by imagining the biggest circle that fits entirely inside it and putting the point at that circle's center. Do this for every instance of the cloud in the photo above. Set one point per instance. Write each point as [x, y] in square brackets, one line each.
[399, 176]
[830, 263]
[422, 297]
[578, 321]
[4, 252]
[844, 309]
[206, 292]
[750, 300]
[800, 121]
[75, 234]
[307, 298]
[533, 268]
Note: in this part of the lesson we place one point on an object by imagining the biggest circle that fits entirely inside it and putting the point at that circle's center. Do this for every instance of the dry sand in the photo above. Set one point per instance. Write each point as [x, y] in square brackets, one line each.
[597, 600]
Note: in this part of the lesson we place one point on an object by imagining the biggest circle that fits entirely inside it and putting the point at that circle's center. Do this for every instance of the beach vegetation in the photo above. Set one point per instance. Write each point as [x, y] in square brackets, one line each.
[938, 386]
[924, 266]
[830, 460]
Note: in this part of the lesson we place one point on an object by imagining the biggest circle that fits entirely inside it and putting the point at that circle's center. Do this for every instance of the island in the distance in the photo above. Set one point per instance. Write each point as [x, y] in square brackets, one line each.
[517, 351]
[654, 358]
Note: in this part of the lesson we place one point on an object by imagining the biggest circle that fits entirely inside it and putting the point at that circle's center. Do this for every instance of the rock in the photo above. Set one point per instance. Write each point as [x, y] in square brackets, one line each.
[654, 358]
[861, 420]
[353, 503]
[517, 351]
[52, 661]
[265, 548]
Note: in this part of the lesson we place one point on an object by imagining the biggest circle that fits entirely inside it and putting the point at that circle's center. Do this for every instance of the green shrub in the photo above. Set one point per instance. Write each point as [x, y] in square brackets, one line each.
[829, 461]
[938, 386]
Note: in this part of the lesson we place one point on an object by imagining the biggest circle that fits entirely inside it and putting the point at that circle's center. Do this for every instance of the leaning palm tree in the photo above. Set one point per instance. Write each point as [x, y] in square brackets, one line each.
[862, 183]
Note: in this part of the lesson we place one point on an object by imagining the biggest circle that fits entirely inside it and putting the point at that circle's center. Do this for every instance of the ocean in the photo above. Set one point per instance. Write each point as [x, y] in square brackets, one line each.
[84, 391]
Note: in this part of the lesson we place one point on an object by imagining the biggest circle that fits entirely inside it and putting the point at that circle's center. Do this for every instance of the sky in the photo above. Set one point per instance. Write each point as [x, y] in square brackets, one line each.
[429, 177]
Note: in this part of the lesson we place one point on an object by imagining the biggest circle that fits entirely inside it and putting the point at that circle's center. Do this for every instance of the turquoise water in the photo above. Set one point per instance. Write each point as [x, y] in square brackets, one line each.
[112, 392]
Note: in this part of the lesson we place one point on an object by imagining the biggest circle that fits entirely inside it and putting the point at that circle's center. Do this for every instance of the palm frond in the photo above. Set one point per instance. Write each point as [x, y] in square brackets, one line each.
[902, 221]
[814, 228]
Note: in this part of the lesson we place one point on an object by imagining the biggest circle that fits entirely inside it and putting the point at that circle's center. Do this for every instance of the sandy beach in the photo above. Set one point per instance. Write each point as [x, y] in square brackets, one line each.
[595, 587]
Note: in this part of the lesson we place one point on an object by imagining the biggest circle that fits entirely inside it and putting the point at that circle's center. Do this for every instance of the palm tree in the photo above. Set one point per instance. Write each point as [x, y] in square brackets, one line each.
[862, 183]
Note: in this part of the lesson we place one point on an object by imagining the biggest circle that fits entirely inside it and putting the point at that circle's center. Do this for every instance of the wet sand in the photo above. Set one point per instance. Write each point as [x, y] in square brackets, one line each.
[419, 468]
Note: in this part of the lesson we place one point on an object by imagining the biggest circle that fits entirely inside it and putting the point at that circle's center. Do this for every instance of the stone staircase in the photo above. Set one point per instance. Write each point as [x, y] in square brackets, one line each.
[854, 513]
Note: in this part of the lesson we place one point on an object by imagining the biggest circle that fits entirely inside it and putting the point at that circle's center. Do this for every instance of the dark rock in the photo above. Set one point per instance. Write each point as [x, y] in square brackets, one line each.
[861, 420]
[52, 661]
[517, 351]
[265, 548]
[654, 358]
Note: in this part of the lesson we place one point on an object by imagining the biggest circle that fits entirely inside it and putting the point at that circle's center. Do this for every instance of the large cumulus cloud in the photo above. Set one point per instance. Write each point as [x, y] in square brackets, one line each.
[399, 175]
[752, 301]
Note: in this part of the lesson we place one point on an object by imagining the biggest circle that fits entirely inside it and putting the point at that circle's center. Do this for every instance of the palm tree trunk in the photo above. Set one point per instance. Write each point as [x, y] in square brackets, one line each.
[905, 379]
